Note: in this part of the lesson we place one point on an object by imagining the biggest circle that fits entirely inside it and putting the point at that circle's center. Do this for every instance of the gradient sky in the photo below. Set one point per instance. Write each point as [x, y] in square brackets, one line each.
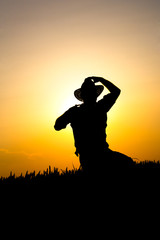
[47, 48]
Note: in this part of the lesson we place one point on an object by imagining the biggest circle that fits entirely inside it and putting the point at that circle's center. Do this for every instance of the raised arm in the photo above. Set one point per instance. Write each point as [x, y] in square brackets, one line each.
[108, 100]
[110, 86]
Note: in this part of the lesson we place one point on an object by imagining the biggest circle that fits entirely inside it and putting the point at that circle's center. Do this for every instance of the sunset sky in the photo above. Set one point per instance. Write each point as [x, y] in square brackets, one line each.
[47, 48]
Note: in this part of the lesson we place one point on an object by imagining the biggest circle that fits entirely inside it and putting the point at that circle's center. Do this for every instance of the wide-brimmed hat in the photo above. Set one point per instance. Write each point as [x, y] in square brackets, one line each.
[87, 86]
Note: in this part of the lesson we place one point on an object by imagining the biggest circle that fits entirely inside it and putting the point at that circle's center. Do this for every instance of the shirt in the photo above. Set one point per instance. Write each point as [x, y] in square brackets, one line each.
[88, 123]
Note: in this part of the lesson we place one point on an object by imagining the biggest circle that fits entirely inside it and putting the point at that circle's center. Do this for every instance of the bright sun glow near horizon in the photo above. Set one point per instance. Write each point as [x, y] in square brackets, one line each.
[48, 48]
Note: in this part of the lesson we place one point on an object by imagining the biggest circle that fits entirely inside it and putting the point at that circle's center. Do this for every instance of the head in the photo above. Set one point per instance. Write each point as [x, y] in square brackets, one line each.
[88, 92]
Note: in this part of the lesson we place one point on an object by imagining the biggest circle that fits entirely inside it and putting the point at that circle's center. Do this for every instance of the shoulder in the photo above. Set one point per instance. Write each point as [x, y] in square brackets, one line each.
[73, 109]
[107, 101]
[107, 98]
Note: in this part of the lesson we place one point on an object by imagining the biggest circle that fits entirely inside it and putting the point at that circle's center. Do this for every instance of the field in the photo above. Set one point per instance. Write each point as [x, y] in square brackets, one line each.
[50, 176]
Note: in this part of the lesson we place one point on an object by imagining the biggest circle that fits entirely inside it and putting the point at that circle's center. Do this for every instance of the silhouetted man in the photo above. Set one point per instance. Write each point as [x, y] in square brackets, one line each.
[89, 121]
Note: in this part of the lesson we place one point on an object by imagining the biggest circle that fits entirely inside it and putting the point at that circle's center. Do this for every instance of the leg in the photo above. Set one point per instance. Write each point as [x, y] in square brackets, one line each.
[118, 160]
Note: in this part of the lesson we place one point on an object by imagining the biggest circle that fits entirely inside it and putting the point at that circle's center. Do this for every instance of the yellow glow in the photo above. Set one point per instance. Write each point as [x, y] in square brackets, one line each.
[47, 53]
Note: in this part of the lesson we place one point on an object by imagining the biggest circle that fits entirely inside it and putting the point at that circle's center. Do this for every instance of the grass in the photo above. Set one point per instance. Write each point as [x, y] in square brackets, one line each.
[50, 176]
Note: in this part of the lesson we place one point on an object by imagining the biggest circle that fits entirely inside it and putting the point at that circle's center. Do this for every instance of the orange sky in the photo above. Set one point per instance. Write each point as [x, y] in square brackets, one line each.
[48, 48]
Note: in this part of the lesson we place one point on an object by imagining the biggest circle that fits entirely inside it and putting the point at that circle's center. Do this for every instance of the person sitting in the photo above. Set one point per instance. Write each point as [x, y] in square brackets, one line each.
[89, 122]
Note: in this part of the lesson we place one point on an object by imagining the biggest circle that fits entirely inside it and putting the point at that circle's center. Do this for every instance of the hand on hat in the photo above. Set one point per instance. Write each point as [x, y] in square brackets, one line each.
[94, 79]
[88, 79]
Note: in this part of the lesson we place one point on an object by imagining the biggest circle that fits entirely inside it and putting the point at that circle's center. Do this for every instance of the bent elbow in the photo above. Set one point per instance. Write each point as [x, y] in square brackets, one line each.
[56, 128]
[118, 92]
[58, 125]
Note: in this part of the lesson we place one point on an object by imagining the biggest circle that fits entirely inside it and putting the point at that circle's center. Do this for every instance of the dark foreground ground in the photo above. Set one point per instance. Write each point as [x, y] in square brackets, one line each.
[147, 168]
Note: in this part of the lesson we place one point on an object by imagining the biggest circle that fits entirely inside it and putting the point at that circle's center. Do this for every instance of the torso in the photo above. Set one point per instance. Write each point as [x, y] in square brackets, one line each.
[89, 124]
